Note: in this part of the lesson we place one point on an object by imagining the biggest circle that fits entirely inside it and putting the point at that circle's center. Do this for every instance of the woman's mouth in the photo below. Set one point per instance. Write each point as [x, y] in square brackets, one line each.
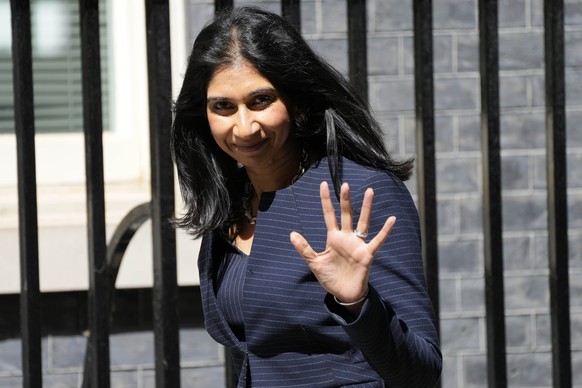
[246, 148]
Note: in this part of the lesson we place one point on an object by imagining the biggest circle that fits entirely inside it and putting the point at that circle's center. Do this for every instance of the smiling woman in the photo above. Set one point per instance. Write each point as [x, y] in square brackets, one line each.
[251, 123]
[263, 128]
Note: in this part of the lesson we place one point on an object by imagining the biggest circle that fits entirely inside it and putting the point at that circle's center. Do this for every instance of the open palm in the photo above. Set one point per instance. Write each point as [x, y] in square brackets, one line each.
[343, 267]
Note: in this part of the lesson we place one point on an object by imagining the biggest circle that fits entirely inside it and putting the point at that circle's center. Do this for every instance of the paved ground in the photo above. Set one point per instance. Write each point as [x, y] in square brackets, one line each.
[132, 361]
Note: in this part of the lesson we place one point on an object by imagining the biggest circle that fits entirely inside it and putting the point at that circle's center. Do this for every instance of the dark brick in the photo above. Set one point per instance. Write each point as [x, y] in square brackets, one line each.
[456, 93]
[468, 52]
[573, 132]
[517, 253]
[572, 12]
[575, 210]
[526, 292]
[445, 134]
[523, 131]
[574, 87]
[573, 48]
[459, 257]
[469, 133]
[448, 216]
[515, 172]
[61, 380]
[521, 50]
[393, 15]
[513, 92]
[452, 14]
[68, 352]
[308, 18]
[471, 215]
[473, 294]
[391, 96]
[334, 16]
[512, 13]
[334, 51]
[458, 175]
[524, 213]
[475, 371]
[460, 334]
[383, 56]
[529, 370]
[448, 293]
[518, 331]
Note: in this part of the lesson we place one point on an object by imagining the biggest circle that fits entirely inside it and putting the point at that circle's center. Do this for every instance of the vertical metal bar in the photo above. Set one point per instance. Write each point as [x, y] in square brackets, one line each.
[165, 293]
[219, 6]
[98, 307]
[222, 5]
[291, 10]
[30, 317]
[492, 209]
[557, 192]
[358, 47]
[425, 145]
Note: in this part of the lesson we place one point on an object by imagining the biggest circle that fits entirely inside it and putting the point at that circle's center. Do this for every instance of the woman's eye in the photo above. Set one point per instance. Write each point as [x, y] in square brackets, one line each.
[221, 106]
[263, 100]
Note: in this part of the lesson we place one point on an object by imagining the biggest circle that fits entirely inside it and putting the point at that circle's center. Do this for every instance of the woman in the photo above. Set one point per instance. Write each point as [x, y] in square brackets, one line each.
[263, 127]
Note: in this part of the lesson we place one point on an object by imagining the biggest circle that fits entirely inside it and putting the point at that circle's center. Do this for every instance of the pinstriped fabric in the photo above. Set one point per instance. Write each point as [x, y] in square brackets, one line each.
[296, 335]
[229, 294]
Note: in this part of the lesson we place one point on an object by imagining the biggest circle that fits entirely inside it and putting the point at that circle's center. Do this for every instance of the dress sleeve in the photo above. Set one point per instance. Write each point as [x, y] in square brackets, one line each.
[396, 328]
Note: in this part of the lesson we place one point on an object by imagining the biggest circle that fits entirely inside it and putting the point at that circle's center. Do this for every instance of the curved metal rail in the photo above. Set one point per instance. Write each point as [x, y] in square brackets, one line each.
[122, 237]
[116, 248]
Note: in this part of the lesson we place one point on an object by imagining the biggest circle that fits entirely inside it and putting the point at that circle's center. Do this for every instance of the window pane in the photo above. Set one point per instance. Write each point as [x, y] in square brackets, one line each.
[56, 65]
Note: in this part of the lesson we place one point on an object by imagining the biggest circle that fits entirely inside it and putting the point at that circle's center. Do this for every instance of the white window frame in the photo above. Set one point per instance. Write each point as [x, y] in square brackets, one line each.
[60, 162]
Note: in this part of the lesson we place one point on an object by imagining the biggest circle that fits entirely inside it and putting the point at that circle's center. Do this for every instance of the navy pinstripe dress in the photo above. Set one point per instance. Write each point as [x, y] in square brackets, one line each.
[285, 331]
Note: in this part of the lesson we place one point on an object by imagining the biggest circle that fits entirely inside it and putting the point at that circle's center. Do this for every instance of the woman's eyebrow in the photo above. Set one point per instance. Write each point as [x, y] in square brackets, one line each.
[211, 98]
[261, 90]
[251, 93]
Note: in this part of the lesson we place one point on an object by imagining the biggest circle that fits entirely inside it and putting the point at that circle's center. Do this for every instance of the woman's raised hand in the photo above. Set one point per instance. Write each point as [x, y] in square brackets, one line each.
[343, 267]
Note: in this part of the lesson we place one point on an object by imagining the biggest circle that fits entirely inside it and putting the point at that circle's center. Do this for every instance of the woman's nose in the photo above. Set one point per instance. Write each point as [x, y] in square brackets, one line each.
[245, 124]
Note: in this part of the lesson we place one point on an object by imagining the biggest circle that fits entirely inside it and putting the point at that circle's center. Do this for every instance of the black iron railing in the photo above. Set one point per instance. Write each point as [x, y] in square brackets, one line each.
[97, 354]
[492, 212]
[27, 202]
[105, 258]
[557, 192]
[425, 144]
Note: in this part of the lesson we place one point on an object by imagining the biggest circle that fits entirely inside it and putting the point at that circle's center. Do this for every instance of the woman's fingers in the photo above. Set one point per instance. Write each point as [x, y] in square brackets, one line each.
[327, 207]
[302, 246]
[329, 216]
[346, 216]
[346, 208]
[365, 212]
[382, 235]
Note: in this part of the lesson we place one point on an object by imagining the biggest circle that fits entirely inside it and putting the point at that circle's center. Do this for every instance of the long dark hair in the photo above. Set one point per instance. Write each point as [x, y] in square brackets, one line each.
[333, 120]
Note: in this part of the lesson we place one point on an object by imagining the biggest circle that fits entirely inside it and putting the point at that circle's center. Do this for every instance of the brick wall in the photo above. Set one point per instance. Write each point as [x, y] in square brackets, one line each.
[457, 104]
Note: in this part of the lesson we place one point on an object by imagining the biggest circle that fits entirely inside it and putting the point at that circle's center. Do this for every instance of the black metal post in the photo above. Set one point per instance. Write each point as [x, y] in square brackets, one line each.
[425, 145]
[30, 317]
[98, 348]
[358, 47]
[557, 193]
[291, 10]
[165, 298]
[492, 209]
[221, 5]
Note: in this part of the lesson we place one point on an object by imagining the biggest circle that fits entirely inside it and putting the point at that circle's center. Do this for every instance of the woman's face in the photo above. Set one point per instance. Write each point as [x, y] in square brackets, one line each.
[247, 116]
